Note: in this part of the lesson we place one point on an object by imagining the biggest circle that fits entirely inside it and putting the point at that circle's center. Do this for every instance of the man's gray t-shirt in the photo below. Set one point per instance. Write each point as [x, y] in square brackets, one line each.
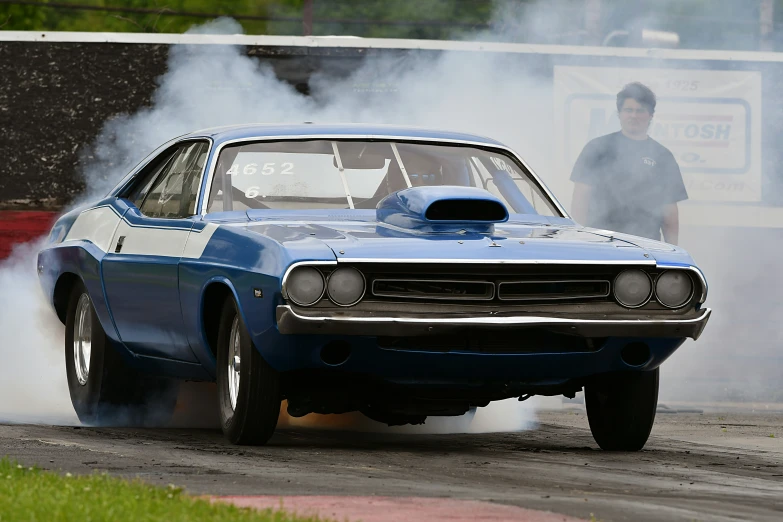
[632, 181]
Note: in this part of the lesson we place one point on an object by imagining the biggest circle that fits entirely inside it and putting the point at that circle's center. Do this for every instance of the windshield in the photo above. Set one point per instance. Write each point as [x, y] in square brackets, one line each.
[325, 174]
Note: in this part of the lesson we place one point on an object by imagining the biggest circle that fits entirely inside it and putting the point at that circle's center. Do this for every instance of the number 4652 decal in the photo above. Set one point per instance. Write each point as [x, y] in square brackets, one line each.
[286, 169]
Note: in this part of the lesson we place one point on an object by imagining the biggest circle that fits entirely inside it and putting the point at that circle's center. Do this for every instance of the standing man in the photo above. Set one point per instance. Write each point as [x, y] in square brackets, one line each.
[626, 181]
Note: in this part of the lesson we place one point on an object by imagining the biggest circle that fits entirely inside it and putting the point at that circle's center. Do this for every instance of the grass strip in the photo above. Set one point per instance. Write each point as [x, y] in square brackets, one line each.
[31, 494]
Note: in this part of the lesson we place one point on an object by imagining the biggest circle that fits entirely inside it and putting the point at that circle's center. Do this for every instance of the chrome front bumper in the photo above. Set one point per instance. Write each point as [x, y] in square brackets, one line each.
[292, 322]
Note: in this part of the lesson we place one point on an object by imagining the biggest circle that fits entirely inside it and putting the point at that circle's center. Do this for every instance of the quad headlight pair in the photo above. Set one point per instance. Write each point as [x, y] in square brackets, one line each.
[633, 288]
[306, 286]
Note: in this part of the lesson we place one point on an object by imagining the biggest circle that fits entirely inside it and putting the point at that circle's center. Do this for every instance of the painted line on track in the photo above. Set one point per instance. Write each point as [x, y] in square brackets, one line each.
[388, 509]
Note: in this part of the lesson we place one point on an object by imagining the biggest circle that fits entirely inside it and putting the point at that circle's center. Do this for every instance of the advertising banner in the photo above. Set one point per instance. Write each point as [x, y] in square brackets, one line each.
[710, 120]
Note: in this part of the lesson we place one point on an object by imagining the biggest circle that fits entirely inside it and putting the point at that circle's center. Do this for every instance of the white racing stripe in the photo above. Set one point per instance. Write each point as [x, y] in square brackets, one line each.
[103, 227]
[147, 241]
[96, 225]
[197, 241]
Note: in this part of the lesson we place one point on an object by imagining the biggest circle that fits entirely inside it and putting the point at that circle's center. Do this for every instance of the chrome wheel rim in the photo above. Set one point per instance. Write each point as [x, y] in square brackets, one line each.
[82, 339]
[233, 363]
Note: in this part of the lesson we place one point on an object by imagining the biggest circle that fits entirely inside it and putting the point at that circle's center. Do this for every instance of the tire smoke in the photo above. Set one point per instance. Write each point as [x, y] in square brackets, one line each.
[33, 388]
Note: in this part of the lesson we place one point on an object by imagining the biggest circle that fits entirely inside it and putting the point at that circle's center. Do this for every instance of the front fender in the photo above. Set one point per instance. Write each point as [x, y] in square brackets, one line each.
[258, 313]
[251, 265]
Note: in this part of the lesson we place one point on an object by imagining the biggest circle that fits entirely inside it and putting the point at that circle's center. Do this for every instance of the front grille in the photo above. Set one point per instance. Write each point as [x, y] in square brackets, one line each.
[488, 284]
[551, 290]
[434, 289]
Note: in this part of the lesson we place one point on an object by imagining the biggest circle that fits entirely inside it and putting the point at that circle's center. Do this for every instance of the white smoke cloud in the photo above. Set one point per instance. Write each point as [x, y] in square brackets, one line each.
[208, 85]
[498, 416]
[505, 415]
[738, 357]
[33, 386]
[552, 22]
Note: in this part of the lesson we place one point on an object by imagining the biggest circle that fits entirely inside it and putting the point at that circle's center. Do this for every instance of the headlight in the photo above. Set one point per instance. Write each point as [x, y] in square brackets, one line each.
[305, 285]
[345, 286]
[632, 288]
[673, 288]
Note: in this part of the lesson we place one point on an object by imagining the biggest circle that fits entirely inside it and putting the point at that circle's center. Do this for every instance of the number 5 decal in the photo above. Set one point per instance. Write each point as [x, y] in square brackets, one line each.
[268, 170]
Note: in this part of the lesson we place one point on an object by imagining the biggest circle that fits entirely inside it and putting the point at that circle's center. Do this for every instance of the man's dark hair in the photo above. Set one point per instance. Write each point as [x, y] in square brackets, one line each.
[639, 92]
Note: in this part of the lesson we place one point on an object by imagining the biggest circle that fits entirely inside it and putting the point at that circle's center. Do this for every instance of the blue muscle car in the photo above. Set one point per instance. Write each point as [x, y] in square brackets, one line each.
[397, 272]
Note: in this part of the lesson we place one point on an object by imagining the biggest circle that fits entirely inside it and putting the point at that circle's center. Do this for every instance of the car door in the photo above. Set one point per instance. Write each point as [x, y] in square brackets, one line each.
[140, 271]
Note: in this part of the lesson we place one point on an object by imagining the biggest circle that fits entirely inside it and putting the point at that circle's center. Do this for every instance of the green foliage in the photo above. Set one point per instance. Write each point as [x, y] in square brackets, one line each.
[21, 17]
[162, 16]
[31, 494]
[427, 19]
[371, 18]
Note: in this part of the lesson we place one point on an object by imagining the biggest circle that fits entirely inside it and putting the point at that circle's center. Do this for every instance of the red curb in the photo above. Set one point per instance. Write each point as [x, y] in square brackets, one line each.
[20, 226]
[388, 509]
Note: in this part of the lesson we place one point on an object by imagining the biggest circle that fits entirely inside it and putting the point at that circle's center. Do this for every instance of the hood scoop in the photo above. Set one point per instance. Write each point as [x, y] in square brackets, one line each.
[442, 209]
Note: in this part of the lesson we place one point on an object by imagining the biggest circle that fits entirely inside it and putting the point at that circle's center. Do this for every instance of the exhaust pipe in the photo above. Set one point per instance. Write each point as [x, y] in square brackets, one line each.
[635, 354]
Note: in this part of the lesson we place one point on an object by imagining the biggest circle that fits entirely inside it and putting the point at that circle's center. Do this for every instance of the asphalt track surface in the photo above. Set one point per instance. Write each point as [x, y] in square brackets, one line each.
[709, 466]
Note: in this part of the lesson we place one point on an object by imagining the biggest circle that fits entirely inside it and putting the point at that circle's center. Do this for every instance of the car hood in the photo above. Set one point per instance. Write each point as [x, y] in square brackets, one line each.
[511, 244]
[368, 240]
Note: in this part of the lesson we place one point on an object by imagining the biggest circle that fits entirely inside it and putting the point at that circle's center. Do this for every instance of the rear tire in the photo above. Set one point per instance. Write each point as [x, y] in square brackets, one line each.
[621, 409]
[104, 391]
[249, 397]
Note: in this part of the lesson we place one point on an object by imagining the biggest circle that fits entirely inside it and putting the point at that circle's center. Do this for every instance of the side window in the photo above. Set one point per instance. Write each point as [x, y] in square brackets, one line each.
[173, 192]
[142, 188]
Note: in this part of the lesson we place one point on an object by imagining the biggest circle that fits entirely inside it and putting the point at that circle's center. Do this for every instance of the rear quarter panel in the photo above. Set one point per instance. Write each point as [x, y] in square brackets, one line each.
[79, 257]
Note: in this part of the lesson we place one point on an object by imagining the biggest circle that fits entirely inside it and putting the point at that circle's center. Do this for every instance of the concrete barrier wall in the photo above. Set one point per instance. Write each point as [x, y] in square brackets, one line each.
[54, 98]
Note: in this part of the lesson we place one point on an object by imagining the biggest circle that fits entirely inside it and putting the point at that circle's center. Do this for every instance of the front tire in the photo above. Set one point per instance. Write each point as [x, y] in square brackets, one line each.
[104, 391]
[248, 388]
[621, 409]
